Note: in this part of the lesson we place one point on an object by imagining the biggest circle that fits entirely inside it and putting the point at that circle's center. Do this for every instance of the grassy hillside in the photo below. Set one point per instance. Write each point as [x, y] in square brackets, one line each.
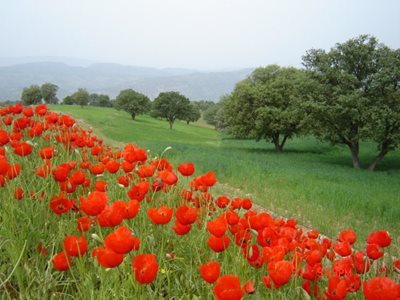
[312, 181]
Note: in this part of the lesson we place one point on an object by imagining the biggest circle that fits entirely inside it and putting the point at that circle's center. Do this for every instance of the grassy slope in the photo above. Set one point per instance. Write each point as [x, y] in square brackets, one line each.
[311, 181]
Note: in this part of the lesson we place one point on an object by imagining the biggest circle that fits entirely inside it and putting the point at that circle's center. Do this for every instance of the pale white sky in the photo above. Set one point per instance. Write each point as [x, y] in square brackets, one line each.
[202, 34]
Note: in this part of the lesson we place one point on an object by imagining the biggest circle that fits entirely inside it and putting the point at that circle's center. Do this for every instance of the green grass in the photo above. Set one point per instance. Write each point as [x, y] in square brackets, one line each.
[312, 181]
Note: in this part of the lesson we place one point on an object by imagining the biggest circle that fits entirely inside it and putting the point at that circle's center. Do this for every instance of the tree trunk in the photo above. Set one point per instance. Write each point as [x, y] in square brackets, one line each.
[278, 146]
[354, 148]
[379, 157]
[170, 124]
[187, 122]
[133, 115]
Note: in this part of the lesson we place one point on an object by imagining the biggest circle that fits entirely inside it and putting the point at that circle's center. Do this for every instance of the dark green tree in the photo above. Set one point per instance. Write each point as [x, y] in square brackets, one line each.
[355, 95]
[31, 95]
[193, 114]
[171, 106]
[68, 100]
[132, 102]
[99, 100]
[49, 93]
[81, 97]
[267, 105]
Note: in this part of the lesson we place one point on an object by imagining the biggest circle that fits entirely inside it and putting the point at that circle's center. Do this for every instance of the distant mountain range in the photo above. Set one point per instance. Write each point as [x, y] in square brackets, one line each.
[110, 79]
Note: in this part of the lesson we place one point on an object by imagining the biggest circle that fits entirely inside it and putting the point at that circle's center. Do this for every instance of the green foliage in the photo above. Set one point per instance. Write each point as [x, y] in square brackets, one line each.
[132, 102]
[49, 93]
[81, 97]
[193, 114]
[355, 86]
[210, 114]
[171, 106]
[203, 105]
[267, 105]
[31, 95]
[99, 100]
[68, 100]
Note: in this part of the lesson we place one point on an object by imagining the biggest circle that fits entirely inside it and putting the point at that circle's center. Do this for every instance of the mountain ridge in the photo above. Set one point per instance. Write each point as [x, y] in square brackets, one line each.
[111, 78]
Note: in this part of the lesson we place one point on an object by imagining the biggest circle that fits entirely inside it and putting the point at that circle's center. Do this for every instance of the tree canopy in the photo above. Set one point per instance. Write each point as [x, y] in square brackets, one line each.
[356, 95]
[99, 100]
[266, 105]
[193, 114]
[49, 93]
[133, 102]
[171, 106]
[31, 95]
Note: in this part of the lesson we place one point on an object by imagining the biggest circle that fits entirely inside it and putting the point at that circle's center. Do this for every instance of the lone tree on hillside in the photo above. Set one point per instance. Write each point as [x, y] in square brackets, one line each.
[193, 114]
[266, 105]
[170, 105]
[31, 95]
[356, 95]
[132, 102]
[49, 92]
[80, 97]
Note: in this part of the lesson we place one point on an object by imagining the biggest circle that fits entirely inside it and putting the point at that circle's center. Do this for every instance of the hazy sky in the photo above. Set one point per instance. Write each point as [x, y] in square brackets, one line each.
[202, 34]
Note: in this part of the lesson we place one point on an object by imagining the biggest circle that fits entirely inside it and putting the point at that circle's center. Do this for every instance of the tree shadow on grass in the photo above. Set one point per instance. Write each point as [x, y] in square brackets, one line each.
[391, 163]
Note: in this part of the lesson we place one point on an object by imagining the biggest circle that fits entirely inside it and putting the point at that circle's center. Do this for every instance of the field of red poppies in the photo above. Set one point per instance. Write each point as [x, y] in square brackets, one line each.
[81, 219]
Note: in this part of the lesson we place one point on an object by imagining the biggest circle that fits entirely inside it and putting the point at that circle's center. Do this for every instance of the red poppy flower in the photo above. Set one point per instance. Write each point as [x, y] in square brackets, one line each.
[100, 185]
[132, 209]
[181, 229]
[396, 265]
[161, 215]
[248, 287]
[146, 171]
[3, 137]
[145, 268]
[168, 177]
[381, 288]
[112, 215]
[139, 191]
[337, 288]
[361, 263]
[75, 246]
[123, 180]
[186, 169]
[107, 258]
[373, 251]
[23, 149]
[186, 215]
[94, 203]
[46, 153]
[217, 227]
[342, 248]
[222, 201]
[122, 241]
[61, 173]
[210, 271]
[84, 223]
[97, 169]
[18, 193]
[348, 236]
[61, 261]
[380, 237]
[41, 109]
[247, 204]
[228, 287]
[127, 166]
[60, 205]
[280, 272]
[353, 283]
[218, 244]
[77, 177]
[112, 166]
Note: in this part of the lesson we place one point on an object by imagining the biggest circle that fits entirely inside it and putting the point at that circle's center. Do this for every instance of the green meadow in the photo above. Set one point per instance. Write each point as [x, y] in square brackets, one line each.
[311, 181]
